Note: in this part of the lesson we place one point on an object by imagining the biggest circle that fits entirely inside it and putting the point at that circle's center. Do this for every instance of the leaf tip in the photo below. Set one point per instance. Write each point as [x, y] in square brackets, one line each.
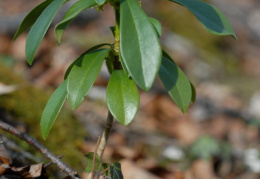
[15, 37]
[184, 110]
[44, 134]
[234, 36]
[44, 137]
[58, 33]
[73, 102]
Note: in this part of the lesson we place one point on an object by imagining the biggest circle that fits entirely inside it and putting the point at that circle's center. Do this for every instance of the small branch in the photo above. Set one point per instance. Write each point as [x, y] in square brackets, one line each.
[94, 159]
[105, 170]
[103, 141]
[50, 163]
[38, 146]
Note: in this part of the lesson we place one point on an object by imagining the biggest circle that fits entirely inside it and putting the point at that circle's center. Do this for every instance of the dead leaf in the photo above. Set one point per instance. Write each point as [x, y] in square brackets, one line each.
[36, 170]
[5, 159]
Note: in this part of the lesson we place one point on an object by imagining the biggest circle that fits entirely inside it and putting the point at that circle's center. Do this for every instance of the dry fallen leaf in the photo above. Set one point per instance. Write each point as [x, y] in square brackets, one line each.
[36, 170]
[4, 158]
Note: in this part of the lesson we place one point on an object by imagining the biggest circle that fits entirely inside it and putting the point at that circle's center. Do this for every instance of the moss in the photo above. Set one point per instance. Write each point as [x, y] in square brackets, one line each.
[26, 105]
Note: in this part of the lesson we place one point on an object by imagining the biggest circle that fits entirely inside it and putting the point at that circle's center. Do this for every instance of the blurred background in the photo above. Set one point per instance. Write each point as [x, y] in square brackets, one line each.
[217, 138]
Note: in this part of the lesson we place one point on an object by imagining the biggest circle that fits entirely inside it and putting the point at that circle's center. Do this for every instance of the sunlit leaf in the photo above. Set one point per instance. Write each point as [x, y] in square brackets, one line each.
[83, 54]
[83, 74]
[122, 97]
[40, 28]
[212, 19]
[31, 17]
[139, 46]
[74, 10]
[52, 109]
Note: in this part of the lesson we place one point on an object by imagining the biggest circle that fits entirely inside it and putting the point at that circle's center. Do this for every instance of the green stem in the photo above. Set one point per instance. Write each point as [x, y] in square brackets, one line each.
[117, 65]
[117, 28]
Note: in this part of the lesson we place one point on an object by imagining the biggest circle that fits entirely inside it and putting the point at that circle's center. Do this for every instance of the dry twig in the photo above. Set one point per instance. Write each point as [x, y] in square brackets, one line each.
[38, 146]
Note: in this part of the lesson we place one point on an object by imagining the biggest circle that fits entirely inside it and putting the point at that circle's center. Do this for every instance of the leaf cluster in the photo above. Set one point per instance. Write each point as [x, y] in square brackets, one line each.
[135, 59]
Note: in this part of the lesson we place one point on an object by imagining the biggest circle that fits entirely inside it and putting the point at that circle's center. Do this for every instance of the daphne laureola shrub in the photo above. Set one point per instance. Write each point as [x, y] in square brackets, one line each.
[134, 59]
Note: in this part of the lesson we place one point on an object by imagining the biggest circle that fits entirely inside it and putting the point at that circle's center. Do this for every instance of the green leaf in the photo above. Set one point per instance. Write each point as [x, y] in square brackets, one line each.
[39, 29]
[139, 46]
[212, 19]
[74, 10]
[193, 96]
[110, 62]
[90, 158]
[83, 74]
[100, 2]
[205, 148]
[124, 66]
[122, 97]
[52, 109]
[104, 166]
[115, 170]
[83, 54]
[176, 82]
[156, 25]
[31, 17]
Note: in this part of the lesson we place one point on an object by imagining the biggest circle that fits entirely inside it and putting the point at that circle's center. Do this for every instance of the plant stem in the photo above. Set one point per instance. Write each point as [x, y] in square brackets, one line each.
[109, 120]
[117, 66]
[117, 29]
[102, 144]
[103, 141]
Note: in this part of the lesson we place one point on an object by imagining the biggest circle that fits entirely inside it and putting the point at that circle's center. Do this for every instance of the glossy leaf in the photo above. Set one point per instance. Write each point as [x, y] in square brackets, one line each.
[115, 170]
[193, 96]
[83, 54]
[90, 158]
[157, 25]
[40, 28]
[124, 66]
[83, 74]
[100, 2]
[74, 10]
[176, 82]
[211, 18]
[52, 109]
[122, 97]
[139, 46]
[31, 17]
